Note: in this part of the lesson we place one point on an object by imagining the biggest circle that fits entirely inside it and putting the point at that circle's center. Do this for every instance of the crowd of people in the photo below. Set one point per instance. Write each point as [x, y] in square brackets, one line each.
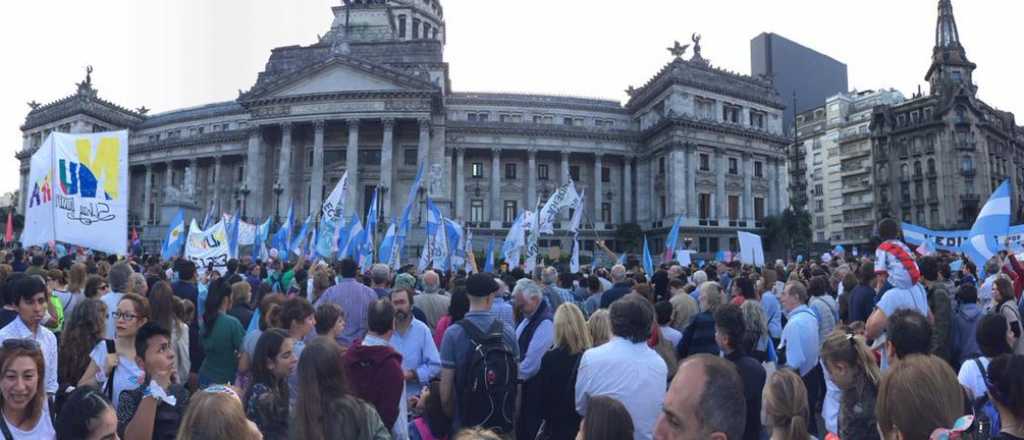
[886, 346]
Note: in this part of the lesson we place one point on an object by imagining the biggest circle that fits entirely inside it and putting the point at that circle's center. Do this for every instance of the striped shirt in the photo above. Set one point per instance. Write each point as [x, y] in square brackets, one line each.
[895, 259]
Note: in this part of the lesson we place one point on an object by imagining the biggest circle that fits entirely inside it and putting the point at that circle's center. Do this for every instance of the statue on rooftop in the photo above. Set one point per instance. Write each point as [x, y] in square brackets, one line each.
[678, 50]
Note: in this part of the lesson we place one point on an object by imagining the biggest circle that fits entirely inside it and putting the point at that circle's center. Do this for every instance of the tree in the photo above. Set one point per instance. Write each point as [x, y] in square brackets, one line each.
[630, 237]
[788, 233]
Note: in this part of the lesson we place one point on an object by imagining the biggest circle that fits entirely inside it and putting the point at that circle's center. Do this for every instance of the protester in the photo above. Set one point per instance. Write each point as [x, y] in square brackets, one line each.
[916, 396]
[684, 308]
[116, 370]
[699, 337]
[457, 351]
[327, 409]
[600, 327]
[222, 338]
[621, 287]
[1006, 389]
[330, 320]
[757, 341]
[28, 294]
[23, 400]
[705, 400]
[1005, 303]
[910, 334]
[663, 313]
[852, 367]
[730, 334]
[241, 296]
[802, 346]
[76, 287]
[554, 294]
[556, 379]
[535, 333]
[458, 306]
[993, 336]
[770, 303]
[87, 414]
[269, 314]
[501, 306]
[161, 302]
[153, 409]
[432, 424]
[592, 302]
[606, 419]
[354, 298]
[95, 287]
[625, 368]
[421, 362]
[216, 413]
[137, 284]
[785, 406]
[894, 265]
[374, 368]
[965, 324]
[267, 398]
[298, 318]
[85, 328]
[118, 282]
[434, 302]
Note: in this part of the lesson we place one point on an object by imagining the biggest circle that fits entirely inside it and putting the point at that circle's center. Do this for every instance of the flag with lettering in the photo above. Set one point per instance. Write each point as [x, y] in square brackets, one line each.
[565, 197]
[993, 220]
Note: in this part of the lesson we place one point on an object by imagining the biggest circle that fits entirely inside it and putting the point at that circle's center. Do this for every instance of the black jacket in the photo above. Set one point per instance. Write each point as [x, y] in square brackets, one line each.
[753, 376]
[617, 291]
[699, 337]
[557, 379]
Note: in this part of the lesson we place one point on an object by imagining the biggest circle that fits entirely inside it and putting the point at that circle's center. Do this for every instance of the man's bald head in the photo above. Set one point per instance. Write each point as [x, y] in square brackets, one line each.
[618, 273]
[705, 401]
[430, 279]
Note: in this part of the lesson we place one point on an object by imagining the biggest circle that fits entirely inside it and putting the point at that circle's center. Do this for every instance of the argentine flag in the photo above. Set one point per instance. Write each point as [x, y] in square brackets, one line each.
[175, 239]
[992, 221]
[648, 261]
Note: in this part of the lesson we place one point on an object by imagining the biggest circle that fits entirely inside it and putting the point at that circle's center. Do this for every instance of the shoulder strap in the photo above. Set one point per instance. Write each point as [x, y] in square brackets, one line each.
[981, 368]
[108, 389]
[474, 333]
[7, 431]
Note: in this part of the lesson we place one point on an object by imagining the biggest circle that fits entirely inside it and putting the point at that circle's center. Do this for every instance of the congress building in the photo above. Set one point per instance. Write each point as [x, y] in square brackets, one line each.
[373, 97]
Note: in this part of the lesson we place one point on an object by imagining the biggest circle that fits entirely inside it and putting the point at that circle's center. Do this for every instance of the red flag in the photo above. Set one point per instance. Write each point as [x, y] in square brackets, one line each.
[9, 233]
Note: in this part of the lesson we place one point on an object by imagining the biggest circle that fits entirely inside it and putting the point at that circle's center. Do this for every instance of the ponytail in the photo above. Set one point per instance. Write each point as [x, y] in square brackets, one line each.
[797, 428]
[852, 350]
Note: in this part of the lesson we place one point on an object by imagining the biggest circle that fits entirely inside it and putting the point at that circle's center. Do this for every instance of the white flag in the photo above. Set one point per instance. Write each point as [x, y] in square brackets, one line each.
[564, 197]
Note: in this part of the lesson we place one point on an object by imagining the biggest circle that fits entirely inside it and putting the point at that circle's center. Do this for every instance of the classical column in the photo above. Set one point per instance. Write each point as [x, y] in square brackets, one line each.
[169, 175]
[495, 185]
[565, 181]
[284, 169]
[722, 203]
[352, 165]
[598, 188]
[216, 182]
[423, 151]
[148, 194]
[253, 169]
[691, 181]
[748, 191]
[24, 195]
[771, 203]
[460, 183]
[531, 179]
[627, 190]
[193, 174]
[316, 195]
[387, 166]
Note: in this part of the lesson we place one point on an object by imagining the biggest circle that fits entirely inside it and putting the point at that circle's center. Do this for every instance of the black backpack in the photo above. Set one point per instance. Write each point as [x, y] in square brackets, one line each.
[488, 386]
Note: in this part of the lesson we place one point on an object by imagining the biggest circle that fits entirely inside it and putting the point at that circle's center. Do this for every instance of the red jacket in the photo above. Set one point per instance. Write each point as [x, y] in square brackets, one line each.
[375, 375]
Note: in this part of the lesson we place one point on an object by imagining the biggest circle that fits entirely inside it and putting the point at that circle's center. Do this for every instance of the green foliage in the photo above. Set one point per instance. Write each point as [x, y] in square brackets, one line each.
[630, 236]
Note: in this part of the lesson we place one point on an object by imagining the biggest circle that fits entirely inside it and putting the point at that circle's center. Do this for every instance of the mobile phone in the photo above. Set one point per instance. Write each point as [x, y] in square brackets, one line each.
[111, 348]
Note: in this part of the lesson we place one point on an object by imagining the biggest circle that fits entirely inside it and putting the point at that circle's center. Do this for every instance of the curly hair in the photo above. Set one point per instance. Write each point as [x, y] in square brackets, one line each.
[84, 328]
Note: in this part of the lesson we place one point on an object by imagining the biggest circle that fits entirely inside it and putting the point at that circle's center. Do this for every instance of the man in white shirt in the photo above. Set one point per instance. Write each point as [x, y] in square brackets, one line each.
[705, 401]
[625, 368]
[29, 295]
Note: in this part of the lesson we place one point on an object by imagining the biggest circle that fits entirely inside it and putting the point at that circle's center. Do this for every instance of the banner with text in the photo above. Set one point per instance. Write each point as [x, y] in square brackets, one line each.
[950, 241]
[207, 248]
[78, 192]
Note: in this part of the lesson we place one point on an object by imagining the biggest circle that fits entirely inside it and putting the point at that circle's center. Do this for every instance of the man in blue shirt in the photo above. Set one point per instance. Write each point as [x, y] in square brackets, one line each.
[420, 359]
[501, 307]
[802, 346]
[535, 332]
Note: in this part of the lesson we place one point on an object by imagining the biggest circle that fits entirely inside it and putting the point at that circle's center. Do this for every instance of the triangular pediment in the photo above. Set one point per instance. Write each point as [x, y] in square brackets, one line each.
[340, 75]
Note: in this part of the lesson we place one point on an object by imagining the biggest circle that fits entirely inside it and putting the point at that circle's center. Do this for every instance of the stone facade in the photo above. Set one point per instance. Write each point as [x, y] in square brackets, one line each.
[373, 97]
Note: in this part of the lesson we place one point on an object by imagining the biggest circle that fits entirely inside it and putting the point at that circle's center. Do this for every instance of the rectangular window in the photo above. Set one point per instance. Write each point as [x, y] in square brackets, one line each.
[705, 205]
[426, 30]
[757, 120]
[542, 172]
[819, 189]
[477, 170]
[731, 114]
[758, 169]
[819, 205]
[511, 211]
[661, 166]
[401, 27]
[664, 206]
[734, 166]
[734, 207]
[415, 28]
[538, 119]
[566, 121]
[476, 210]
[410, 157]
[705, 162]
[505, 118]
[574, 173]
[240, 175]
[606, 212]
[606, 174]
[510, 171]
[758, 208]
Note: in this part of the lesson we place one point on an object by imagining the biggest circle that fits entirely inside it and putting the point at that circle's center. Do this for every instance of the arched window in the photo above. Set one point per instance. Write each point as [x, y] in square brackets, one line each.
[931, 166]
[917, 168]
[967, 163]
[904, 171]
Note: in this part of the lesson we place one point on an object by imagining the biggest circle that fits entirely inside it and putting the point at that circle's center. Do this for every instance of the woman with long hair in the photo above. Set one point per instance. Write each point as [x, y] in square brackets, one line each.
[600, 327]
[457, 309]
[1006, 387]
[87, 414]
[23, 401]
[131, 314]
[606, 419]
[266, 400]
[161, 301]
[216, 413]
[327, 409]
[95, 287]
[76, 287]
[756, 339]
[433, 423]
[785, 405]
[222, 337]
[1006, 304]
[556, 378]
[852, 367]
[83, 330]
[918, 395]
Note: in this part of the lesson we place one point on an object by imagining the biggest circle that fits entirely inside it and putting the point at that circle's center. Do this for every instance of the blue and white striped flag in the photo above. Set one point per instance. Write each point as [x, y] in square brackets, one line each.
[648, 260]
[993, 220]
[672, 240]
[175, 239]
[489, 264]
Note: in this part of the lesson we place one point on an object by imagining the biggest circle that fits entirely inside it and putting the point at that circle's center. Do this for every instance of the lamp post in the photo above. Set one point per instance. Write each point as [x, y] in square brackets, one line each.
[278, 189]
[244, 193]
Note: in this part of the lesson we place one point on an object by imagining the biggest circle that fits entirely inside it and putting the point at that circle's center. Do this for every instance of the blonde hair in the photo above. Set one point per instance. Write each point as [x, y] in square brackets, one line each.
[241, 292]
[215, 414]
[76, 278]
[571, 330]
[840, 346]
[711, 295]
[476, 434]
[785, 404]
[918, 394]
[600, 325]
[137, 284]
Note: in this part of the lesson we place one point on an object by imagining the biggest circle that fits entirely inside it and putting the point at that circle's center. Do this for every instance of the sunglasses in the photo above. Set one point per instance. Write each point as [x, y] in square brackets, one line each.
[19, 343]
[222, 389]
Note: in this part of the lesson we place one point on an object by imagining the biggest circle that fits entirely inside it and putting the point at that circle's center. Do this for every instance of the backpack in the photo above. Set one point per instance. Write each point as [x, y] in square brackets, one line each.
[488, 387]
[985, 412]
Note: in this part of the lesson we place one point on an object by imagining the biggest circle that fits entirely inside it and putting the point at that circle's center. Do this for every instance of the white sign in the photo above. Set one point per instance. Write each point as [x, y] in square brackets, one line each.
[246, 231]
[207, 248]
[683, 257]
[751, 249]
[77, 192]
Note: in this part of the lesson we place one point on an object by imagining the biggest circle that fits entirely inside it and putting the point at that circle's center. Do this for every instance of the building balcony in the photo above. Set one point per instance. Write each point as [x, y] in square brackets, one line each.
[933, 199]
[969, 197]
[968, 173]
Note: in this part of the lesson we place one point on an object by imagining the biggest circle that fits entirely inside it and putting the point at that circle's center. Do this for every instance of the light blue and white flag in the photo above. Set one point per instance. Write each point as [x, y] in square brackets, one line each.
[532, 247]
[574, 260]
[332, 219]
[259, 248]
[232, 230]
[407, 211]
[209, 215]
[993, 221]
[456, 246]
[371, 214]
[175, 239]
[311, 244]
[577, 214]
[298, 241]
[564, 197]
[512, 247]
[349, 243]
[622, 259]
[672, 240]
[648, 260]
[489, 264]
[387, 245]
[434, 218]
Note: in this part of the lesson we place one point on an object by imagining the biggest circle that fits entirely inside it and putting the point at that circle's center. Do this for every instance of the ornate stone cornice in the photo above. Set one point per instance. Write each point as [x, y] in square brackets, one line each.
[684, 121]
[535, 101]
[207, 138]
[544, 130]
[705, 77]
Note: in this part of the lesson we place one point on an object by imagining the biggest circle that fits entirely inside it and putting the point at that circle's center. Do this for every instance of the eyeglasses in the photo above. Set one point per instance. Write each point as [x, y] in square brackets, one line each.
[104, 286]
[16, 343]
[124, 316]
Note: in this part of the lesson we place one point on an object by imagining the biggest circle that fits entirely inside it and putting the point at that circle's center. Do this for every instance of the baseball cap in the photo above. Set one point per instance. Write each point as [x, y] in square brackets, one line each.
[481, 285]
[404, 280]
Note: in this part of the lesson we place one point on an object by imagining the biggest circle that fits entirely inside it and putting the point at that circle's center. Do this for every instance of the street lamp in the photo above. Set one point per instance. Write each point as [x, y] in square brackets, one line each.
[244, 192]
[278, 189]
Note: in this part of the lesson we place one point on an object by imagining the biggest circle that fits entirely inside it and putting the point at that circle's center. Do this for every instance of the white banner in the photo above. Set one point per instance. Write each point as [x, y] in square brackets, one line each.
[209, 247]
[564, 197]
[751, 249]
[78, 192]
[246, 231]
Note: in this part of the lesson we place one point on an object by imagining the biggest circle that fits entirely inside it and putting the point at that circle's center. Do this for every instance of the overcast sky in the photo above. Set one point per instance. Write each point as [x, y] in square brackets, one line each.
[169, 54]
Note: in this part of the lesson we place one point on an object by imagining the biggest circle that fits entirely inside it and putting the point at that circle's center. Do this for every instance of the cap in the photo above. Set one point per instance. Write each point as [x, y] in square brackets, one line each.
[404, 280]
[481, 285]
